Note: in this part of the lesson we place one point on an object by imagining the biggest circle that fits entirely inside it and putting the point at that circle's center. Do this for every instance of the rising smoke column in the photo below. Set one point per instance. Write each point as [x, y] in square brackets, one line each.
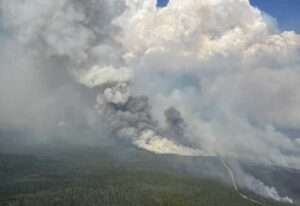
[130, 116]
[217, 75]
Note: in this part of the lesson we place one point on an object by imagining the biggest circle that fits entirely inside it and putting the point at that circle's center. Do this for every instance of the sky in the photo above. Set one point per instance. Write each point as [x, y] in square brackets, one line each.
[286, 12]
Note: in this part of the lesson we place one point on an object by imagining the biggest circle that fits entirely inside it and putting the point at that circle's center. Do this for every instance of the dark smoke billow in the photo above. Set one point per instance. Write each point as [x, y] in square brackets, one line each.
[129, 117]
[133, 62]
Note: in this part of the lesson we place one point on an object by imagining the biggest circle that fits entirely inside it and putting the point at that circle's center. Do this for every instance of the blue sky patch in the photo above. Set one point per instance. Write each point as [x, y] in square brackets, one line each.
[286, 12]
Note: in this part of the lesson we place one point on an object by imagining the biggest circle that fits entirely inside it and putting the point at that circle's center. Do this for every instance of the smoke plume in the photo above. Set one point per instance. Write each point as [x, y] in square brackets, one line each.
[195, 78]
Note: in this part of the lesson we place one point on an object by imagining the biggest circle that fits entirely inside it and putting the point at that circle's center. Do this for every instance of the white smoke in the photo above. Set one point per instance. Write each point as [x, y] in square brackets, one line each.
[261, 189]
[115, 82]
[230, 73]
[258, 187]
[98, 76]
[161, 145]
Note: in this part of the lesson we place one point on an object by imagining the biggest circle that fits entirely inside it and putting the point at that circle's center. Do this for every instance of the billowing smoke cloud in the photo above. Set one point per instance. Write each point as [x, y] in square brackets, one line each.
[202, 77]
[129, 117]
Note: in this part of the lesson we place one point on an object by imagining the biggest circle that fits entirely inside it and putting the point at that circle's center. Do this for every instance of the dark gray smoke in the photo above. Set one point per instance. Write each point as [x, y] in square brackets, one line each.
[175, 124]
